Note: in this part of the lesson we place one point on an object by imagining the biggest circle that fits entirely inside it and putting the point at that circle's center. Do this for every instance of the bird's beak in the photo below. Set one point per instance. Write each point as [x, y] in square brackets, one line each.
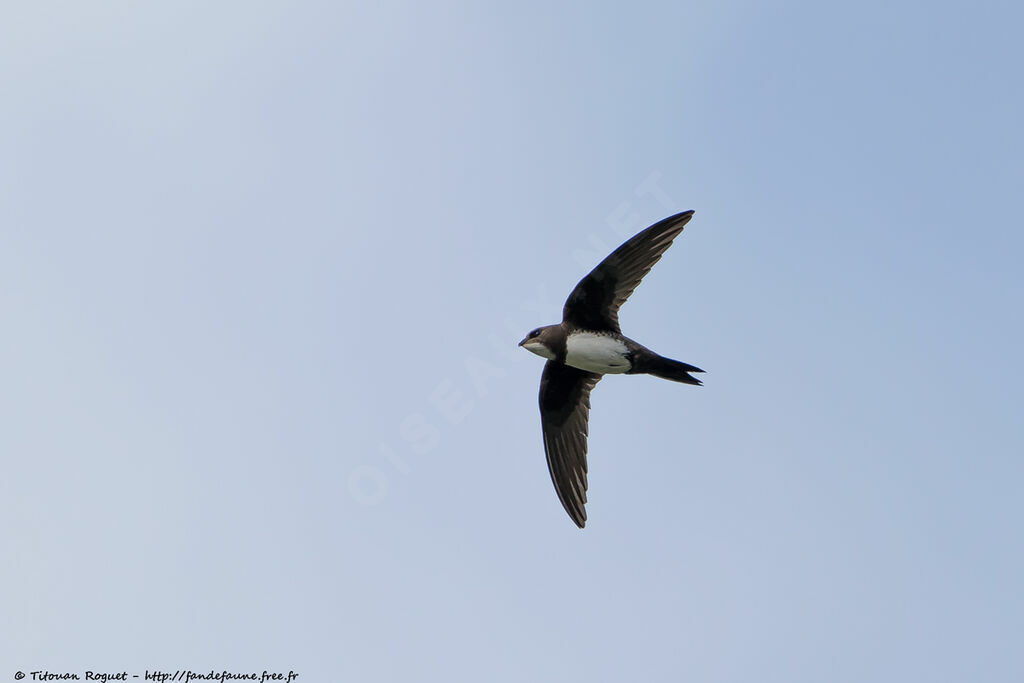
[524, 341]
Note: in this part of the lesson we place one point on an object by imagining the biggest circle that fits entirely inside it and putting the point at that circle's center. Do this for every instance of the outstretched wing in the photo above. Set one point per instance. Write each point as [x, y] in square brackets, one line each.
[564, 409]
[594, 303]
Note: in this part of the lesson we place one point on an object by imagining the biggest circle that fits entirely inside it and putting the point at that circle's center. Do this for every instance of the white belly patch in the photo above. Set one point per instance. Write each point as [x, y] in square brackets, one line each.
[596, 353]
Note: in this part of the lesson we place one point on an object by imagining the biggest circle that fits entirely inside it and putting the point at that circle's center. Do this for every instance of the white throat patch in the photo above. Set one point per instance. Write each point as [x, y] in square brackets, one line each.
[539, 349]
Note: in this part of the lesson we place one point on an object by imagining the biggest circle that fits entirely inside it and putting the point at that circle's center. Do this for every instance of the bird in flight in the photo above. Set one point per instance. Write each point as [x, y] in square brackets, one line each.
[587, 345]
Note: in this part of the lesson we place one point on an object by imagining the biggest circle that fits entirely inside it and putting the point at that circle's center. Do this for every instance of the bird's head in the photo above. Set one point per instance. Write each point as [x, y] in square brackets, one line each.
[538, 341]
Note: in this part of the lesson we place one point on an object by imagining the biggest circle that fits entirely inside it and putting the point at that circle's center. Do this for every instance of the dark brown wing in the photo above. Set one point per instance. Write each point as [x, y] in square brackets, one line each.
[564, 409]
[594, 303]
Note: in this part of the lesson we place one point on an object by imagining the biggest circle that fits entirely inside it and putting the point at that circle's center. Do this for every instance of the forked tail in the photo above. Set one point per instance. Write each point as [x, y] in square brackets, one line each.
[666, 368]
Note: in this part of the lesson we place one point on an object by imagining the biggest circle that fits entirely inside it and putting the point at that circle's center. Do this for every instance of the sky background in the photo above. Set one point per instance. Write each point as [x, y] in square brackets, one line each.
[264, 266]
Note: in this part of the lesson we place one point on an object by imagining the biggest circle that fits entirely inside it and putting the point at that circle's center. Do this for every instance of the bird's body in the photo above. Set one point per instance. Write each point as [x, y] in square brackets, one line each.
[601, 352]
[587, 345]
[605, 353]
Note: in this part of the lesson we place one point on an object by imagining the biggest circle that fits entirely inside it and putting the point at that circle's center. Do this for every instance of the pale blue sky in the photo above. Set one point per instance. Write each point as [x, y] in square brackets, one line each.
[263, 267]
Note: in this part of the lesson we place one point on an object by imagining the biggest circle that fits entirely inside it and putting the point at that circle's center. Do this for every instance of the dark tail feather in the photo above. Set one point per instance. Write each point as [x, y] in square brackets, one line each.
[666, 368]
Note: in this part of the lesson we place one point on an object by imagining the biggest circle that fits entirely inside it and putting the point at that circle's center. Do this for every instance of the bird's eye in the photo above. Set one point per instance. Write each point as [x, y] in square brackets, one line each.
[535, 333]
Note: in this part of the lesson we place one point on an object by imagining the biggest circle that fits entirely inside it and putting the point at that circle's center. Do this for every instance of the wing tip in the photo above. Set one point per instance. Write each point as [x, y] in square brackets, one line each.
[681, 219]
[681, 216]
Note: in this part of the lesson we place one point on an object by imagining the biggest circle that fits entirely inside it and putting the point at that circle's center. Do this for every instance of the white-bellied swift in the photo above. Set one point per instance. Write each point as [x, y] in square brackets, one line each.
[588, 344]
